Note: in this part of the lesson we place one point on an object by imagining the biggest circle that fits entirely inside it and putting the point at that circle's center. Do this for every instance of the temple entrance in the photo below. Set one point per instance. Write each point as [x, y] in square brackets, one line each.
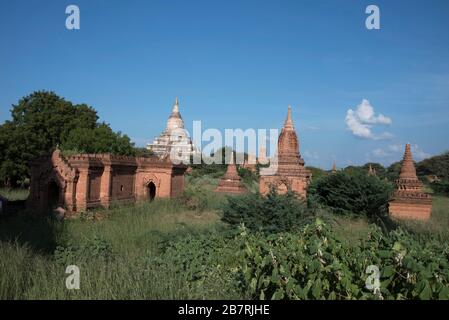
[53, 195]
[151, 190]
[282, 188]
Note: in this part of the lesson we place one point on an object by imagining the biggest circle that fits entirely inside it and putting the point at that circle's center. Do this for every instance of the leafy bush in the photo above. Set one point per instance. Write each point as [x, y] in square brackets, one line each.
[247, 175]
[273, 213]
[351, 193]
[199, 195]
[249, 178]
[212, 170]
[315, 264]
[204, 260]
[440, 187]
[73, 253]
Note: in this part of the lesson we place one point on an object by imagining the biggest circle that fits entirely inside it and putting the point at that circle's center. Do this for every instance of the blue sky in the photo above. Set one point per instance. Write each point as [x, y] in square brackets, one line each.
[239, 64]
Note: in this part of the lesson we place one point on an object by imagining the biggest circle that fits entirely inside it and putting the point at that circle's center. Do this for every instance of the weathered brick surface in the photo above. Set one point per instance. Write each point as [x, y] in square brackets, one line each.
[85, 181]
[409, 201]
[291, 173]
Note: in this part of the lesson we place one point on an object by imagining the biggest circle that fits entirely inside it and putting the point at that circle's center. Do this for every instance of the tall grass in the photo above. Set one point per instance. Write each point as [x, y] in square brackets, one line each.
[439, 220]
[14, 194]
[35, 251]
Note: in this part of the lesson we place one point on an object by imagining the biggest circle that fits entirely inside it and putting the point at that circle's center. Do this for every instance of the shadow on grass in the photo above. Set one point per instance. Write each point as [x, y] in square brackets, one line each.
[39, 232]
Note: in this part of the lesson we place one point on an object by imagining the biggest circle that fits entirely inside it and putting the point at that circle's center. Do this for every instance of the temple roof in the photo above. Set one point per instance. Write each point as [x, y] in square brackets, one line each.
[288, 125]
[288, 140]
[175, 120]
[408, 170]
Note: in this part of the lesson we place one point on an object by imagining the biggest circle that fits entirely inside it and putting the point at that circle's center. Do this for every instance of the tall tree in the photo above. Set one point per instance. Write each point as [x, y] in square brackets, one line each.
[43, 120]
[101, 139]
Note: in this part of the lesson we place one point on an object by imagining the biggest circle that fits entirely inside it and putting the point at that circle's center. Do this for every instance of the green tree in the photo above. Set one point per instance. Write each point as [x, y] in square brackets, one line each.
[437, 165]
[101, 139]
[143, 152]
[43, 120]
[271, 213]
[351, 192]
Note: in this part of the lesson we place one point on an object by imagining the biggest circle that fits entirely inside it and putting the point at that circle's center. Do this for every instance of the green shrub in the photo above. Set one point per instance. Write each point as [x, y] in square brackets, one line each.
[440, 187]
[74, 253]
[351, 193]
[315, 264]
[198, 198]
[273, 213]
[436, 165]
[205, 261]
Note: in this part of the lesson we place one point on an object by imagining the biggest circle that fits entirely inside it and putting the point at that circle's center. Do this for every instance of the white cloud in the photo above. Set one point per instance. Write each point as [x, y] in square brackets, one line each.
[396, 147]
[380, 153]
[362, 120]
[395, 152]
[419, 154]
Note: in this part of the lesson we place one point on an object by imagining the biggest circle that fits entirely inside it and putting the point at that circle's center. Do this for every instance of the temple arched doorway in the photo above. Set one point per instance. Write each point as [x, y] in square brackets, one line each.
[151, 191]
[53, 195]
[282, 188]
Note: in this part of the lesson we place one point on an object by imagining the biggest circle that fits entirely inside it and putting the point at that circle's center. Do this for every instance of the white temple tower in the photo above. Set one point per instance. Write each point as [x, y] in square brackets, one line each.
[174, 141]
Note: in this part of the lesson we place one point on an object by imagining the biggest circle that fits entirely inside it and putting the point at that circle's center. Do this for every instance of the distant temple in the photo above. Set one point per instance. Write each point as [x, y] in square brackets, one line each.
[174, 141]
[371, 170]
[290, 173]
[409, 201]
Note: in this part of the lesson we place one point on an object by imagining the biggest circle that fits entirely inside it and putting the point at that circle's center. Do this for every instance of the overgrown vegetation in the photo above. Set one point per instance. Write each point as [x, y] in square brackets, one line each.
[352, 193]
[440, 187]
[436, 165]
[315, 264]
[269, 214]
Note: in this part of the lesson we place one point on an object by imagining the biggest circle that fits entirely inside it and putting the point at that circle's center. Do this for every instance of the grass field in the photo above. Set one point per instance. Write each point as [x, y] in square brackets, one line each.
[146, 251]
[114, 254]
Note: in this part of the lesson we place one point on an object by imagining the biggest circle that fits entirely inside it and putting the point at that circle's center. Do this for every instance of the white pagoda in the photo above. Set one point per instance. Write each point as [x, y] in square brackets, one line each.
[174, 141]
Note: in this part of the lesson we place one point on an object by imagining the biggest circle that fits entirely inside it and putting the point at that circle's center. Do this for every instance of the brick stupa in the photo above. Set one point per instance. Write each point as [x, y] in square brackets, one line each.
[231, 182]
[290, 173]
[409, 201]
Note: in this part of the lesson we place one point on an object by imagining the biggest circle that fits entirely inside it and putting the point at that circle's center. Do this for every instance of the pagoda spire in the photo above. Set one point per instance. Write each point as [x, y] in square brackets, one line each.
[334, 167]
[289, 122]
[408, 170]
[176, 106]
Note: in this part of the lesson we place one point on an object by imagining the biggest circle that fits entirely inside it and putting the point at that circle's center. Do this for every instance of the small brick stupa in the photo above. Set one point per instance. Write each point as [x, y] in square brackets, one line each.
[290, 174]
[231, 182]
[409, 201]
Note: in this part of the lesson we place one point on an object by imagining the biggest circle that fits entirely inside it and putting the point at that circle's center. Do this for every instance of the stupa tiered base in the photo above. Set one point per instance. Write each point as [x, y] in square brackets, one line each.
[411, 208]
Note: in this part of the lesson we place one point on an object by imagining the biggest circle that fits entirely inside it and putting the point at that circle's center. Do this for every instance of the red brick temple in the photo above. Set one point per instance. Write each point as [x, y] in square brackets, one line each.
[291, 173]
[82, 181]
[409, 201]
